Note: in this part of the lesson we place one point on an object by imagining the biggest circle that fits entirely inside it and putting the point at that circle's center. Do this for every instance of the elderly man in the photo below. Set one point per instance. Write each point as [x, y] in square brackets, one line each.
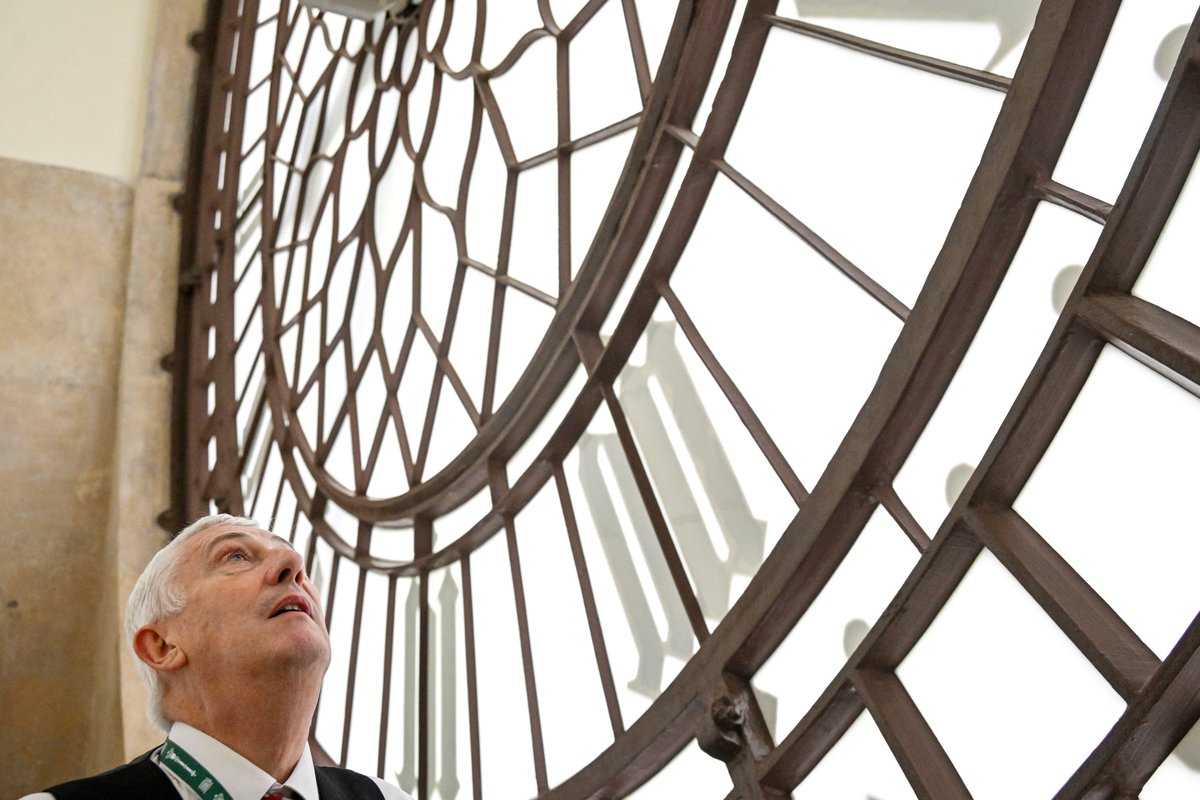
[232, 643]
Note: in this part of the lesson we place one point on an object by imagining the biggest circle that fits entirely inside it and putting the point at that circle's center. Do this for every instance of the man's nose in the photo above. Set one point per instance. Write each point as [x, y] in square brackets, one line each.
[287, 565]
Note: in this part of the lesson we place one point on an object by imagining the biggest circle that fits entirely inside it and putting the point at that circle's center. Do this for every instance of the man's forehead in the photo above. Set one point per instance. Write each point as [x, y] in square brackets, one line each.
[212, 537]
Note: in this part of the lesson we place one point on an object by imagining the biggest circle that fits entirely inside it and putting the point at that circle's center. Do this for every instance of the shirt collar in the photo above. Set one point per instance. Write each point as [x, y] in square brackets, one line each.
[240, 777]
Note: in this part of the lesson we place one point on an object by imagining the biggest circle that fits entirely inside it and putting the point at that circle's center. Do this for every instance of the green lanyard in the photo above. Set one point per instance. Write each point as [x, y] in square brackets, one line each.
[191, 772]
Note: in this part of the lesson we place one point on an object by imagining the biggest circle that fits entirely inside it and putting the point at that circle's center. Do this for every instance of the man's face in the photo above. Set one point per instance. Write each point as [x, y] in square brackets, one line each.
[250, 606]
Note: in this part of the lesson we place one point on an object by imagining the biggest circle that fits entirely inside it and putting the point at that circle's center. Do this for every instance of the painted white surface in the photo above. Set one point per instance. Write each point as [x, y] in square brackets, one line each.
[73, 82]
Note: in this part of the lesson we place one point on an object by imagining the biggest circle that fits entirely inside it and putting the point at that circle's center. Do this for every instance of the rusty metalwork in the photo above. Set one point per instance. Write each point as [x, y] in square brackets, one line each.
[303, 117]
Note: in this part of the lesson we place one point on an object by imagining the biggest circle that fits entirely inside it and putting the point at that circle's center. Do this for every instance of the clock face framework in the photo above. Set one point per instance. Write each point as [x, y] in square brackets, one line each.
[732, 371]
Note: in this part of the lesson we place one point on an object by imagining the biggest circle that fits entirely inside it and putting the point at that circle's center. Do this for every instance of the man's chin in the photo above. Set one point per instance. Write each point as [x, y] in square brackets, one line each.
[300, 651]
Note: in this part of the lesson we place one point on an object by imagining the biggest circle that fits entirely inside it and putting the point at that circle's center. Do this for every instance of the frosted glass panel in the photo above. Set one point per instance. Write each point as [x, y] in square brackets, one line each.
[363, 754]
[874, 157]
[449, 742]
[813, 653]
[1000, 684]
[1109, 496]
[1121, 100]
[801, 341]
[645, 627]
[506, 749]
[332, 709]
[1003, 352]
[526, 95]
[1170, 278]
[533, 256]
[974, 33]
[453, 524]
[716, 533]
[859, 765]
[400, 766]
[604, 87]
[594, 174]
[575, 722]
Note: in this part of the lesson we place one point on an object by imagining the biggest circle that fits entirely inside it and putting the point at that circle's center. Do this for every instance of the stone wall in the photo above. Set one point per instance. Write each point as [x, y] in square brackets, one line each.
[88, 267]
[64, 252]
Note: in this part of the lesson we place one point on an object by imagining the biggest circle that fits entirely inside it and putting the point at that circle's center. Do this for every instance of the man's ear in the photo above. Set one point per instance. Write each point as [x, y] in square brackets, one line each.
[157, 653]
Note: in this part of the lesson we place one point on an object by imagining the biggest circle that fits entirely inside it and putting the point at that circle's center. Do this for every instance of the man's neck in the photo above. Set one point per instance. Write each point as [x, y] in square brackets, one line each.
[267, 723]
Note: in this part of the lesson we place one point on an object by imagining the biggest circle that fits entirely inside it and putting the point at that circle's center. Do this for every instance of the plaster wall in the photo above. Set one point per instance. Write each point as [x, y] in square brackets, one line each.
[73, 78]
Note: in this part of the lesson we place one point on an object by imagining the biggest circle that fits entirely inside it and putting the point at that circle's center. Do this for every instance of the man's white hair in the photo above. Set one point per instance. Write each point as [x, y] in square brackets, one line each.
[158, 594]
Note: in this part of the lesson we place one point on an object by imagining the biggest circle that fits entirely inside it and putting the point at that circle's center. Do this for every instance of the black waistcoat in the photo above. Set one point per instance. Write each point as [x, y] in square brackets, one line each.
[142, 779]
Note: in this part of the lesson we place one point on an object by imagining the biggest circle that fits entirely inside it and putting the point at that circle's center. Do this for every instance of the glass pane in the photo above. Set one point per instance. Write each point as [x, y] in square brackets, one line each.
[485, 197]
[604, 87]
[997, 362]
[331, 712]
[973, 33]
[413, 394]
[575, 722]
[400, 766]
[1108, 496]
[1000, 684]
[506, 749]
[1122, 98]
[443, 166]
[801, 341]
[533, 257]
[748, 496]
[524, 326]
[503, 30]
[368, 677]
[344, 524]
[469, 347]
[815, 650]
[439, 265]
[874, 157]
[464, 28]
[1170, 278]
[645, 627]
[453, 429]
[533, 444]
[594, 173]
[613, 317]
[859, 765]
[451, 525]
[718, 536]
[392, 542]
[526, 96]
[449, 721]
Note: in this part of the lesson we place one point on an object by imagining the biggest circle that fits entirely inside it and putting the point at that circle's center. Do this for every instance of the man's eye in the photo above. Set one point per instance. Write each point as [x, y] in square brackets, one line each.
[237, 555]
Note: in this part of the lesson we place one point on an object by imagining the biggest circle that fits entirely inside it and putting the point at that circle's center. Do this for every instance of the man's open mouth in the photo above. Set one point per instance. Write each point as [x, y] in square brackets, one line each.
[291, 606]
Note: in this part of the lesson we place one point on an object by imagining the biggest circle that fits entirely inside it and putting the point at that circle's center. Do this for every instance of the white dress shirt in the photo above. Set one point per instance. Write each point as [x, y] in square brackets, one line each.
[241, 779]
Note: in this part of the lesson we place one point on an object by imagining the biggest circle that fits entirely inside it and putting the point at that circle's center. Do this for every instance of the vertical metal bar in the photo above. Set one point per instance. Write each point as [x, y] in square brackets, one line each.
[499, 487]
[355, 639]
[422, 545]
[389, 644]
[589, 603]
[637, 46]
[563, 74]
[497, 322]
[472, 679]
[683, 586]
